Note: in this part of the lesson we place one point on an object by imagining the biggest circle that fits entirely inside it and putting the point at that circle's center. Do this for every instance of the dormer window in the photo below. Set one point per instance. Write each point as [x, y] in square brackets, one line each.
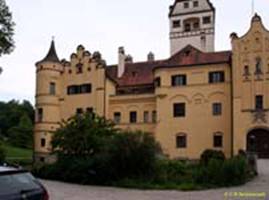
[186, 5]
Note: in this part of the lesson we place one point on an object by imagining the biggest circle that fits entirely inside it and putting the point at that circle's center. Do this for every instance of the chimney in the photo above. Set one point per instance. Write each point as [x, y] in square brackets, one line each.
[151, 57]
[129, 59]
[121, 61]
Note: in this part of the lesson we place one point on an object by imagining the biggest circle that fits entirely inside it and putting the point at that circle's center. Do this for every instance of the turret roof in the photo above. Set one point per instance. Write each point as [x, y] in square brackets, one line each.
[52, 55]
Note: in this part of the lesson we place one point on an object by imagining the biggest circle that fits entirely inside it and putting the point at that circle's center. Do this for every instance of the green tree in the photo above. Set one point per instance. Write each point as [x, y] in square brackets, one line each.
[22, 135]
[83, 135]
[2, 153]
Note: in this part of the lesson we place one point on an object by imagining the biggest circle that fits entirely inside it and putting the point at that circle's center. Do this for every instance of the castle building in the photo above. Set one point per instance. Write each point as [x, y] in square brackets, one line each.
[196, 99]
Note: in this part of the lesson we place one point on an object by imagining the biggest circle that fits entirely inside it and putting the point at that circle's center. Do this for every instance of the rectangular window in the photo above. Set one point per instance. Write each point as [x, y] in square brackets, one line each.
[73, 89]
[86, 88]
[176, 23]
[157, 82]
[217, 109]
[133, 117]
[181, 141]
[40, 114]
[89, 110]
[117, 117]
[259, 102]
[218, 140]
[216, 77]
[79, 111]
[195, 4]
[186, 5]
[207, 20]
[187, 27]
[154, 116]
[52, 88]
[179, 80]
[146, 117]
[179, 110]
[43, 142]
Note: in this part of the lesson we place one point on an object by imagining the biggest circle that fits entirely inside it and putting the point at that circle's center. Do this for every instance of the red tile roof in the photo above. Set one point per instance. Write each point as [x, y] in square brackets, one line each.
[141, 73]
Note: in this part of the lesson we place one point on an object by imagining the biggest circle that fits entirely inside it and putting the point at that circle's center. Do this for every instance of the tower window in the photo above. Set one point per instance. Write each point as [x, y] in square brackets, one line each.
[216, 77]
[179, 80]
[176, 23]
[207, 20]
[179, 110]
[195, 4]
[196, 25]
[181, 141]
[259, 102]
[52, 89]
[117, 117]
[40, 114]
[133, 117]
[218, 140]
[43, 142]
[157, 82]
[186, 5]
[217, 109]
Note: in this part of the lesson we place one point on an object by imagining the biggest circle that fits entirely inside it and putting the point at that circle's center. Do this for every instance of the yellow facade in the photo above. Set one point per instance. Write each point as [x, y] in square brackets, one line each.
[60, 86]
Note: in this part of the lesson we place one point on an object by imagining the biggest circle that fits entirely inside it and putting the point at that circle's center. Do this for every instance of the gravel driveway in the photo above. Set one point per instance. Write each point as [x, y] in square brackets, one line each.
[63, 191]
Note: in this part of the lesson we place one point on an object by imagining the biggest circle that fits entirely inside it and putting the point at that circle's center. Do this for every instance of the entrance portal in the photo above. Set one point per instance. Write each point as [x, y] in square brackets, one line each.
[258, 142]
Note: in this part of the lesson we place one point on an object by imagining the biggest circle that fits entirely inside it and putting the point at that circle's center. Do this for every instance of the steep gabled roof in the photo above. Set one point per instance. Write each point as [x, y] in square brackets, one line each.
[52, 54]
[142, 73]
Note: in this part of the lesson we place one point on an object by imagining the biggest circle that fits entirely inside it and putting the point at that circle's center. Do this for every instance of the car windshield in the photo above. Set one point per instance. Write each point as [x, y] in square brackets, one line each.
[17, 183]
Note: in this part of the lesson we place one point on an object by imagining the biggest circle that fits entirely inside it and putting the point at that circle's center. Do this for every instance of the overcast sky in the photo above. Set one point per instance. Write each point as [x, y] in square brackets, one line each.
[140, 26]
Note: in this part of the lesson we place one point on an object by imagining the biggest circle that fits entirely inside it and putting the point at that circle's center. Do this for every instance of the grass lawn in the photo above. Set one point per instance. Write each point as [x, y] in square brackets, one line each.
[15, 153]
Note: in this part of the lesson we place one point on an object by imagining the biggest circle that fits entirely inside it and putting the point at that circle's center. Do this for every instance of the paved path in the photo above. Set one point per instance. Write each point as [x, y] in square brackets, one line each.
[63, 191]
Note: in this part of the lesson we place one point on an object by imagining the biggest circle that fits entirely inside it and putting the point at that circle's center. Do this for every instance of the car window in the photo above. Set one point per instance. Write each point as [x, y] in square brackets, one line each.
[16, 183]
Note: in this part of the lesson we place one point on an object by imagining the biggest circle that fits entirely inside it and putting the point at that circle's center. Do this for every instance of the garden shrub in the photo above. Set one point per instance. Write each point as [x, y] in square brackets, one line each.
[209, 154]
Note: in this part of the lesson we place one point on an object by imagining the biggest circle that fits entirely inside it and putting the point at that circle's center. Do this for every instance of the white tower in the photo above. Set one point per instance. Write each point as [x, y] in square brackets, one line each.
[192, 22]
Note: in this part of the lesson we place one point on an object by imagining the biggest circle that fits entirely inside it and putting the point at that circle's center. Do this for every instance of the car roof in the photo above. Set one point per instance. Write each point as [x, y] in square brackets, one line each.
[9, 169]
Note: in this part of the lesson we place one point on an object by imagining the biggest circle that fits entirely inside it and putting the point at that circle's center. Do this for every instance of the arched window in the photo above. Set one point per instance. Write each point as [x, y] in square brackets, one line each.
[181, 140]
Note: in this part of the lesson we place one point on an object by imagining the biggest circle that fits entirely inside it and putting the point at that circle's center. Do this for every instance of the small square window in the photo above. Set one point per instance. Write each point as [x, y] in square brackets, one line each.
[79, 111]
[218, 140]
[195, 4]
[186, 5]
[207, 20]
[133, 117]
[179, 80]
[176, 23]
[217, 109]
[216, 77]
[181, 141]
[117, 117]
[179, 110]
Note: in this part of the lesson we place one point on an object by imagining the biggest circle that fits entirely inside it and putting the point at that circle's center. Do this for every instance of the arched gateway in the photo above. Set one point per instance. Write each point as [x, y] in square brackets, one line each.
[258, 141]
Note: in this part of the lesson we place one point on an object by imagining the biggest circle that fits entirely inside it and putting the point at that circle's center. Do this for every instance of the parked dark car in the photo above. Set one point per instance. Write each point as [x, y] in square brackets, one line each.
[19, 184]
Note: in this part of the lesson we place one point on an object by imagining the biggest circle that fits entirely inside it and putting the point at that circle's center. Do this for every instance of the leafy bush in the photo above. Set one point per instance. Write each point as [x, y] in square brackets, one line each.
[207, 155]
[230, 172]
[133, 154]
[2, 153]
